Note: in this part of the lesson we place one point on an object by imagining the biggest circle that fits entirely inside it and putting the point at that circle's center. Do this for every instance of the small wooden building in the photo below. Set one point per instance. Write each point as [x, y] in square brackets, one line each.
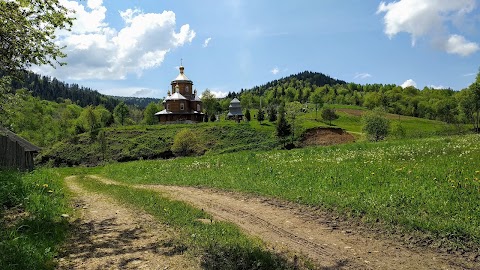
[235, 110]
[16, 152]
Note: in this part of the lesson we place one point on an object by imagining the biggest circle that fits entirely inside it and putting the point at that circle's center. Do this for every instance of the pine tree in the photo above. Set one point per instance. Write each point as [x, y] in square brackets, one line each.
[260, 116]
[247, 115]
[283, 128]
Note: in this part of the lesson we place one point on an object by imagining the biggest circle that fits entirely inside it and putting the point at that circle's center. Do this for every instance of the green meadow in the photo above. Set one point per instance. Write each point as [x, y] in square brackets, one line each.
[417, 185]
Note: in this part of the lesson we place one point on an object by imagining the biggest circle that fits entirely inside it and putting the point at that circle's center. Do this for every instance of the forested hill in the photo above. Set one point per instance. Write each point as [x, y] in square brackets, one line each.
[305, 78]
[140, 102]
[52, 89]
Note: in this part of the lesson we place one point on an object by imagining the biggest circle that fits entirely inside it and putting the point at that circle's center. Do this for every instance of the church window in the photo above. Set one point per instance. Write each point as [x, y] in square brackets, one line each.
[198, 108]
[182, 106]
[168, 107]
[186, 88]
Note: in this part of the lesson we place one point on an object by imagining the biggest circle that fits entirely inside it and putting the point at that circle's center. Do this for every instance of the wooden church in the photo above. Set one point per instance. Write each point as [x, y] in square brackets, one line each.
[182, 105]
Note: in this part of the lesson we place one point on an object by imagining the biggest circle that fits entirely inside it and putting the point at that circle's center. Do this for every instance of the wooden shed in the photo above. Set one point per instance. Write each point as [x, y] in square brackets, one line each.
[16, 152]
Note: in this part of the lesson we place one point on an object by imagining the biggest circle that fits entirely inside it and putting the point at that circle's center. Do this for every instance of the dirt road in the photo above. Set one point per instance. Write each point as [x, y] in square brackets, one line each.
[288, 228]
[110, 236]
[284, 227]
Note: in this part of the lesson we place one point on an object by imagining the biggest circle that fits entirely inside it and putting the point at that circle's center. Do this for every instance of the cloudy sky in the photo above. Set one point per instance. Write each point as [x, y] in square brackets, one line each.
[134, 47]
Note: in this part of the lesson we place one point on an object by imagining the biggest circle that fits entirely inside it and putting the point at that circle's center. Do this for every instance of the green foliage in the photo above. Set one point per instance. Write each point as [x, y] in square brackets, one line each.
[397, 130]
[272, 114]
[260, 115]
[125, 143]
[210, 103]
[316, 98]
[185, 143]
[31, 226]
[28, 32]
[423, 185]
[247, 115]
[329, 114]
[89, 119]
[283, 127]
[293, 110]
[149, 117]
[213, 118]
[121, 113]
[205, 118]
[102, 141]
[375, 125]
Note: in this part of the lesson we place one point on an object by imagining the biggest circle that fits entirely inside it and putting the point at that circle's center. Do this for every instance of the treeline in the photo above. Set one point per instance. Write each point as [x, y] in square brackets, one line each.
[51, 89]
[44, 122]
[438, 104]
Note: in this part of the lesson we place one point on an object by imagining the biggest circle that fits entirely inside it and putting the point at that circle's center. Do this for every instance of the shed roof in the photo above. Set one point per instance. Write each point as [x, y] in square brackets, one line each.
[29, 147]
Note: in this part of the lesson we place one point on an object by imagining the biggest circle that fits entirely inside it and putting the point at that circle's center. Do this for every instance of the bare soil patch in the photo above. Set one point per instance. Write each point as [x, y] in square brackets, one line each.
[288, 228]
[326, 136]
[111, 236]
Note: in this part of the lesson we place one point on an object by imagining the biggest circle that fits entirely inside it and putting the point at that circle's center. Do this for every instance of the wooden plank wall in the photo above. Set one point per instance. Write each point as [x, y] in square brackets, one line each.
[13, 155]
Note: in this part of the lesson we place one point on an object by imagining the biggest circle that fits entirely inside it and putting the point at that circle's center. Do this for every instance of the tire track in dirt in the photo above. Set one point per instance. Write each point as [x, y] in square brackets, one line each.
[287, 230]
[110, 236]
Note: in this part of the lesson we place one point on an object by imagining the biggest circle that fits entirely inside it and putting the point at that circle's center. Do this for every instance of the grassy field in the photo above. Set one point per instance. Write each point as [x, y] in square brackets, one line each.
[127, 143]
[31, 226]
[427, 185]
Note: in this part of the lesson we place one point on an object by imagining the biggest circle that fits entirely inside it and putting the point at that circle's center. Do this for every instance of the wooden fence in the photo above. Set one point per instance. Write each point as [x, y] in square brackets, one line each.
[14, 156]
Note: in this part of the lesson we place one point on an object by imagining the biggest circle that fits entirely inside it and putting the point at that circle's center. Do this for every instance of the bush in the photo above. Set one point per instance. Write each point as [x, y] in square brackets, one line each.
[375, 125]
[185, 143]
[329, 115]
[397, 130]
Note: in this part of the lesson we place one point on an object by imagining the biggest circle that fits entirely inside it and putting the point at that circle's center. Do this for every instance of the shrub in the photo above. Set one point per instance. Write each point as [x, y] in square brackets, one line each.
[375, 125]
[185, 143]
[329, 115]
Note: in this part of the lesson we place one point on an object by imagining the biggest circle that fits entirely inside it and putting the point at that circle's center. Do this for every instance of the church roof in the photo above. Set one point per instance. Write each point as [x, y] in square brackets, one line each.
[176, 96]
[181, 76]
[235, 100]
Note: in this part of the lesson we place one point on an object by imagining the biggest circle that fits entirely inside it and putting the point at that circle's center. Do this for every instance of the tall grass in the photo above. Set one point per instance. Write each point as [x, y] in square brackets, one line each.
[428, 185]
[31, 226]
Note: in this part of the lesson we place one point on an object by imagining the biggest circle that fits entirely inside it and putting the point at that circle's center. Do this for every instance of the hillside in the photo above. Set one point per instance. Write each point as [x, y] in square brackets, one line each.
[51, 89]
[305, 78]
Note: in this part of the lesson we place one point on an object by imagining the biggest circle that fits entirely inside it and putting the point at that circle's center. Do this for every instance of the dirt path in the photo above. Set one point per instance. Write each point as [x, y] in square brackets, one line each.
[286, 228]
[111, 236]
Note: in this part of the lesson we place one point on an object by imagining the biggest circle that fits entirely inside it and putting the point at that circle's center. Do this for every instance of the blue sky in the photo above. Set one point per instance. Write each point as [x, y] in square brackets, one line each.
[133, 48]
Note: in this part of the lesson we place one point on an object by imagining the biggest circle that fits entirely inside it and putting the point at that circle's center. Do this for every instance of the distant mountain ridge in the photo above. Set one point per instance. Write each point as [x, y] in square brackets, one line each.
[307, 77]
[51, 89]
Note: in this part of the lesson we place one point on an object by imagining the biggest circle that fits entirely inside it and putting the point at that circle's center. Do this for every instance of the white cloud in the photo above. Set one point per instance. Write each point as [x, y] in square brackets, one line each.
[459, 45]
[97, 51]
[438, 87]
[206, 42]
[130, 91]
[430, 18]
[275, 71]
[219, 94]
[469, 74]
[409, 83]
[362, 75]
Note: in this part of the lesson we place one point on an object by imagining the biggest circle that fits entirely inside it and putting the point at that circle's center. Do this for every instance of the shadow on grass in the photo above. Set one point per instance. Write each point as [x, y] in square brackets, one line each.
[236, 257]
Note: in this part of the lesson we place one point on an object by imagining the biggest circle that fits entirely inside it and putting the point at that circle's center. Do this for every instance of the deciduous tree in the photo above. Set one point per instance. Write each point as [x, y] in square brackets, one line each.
[375, 125]
[121, 112]
[328, 114]
[27, 33]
